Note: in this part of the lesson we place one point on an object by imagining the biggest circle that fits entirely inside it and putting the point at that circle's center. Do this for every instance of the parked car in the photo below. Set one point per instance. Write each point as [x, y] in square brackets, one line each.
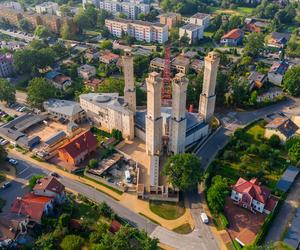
[4, 142]
[13, 161]
[204, 218]
[54, 174]
[6, 185]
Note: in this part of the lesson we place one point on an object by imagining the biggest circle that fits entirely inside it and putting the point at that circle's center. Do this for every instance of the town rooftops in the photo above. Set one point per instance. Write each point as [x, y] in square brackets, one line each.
[57, 77]
[109, 56]
[181, 61]
[138, 22]
[6, 57]
[288, 178]
[233, 34]
[50, 184]
[55, 138]
[30, 205]
[79, 144]
[252, 188]
[190, 27]
[279, 67]
[169, 14]
[200, 15]
[284, 125]
[68, 108]
[281, 37]
[94, 83]
[256, 76]
[86, 68]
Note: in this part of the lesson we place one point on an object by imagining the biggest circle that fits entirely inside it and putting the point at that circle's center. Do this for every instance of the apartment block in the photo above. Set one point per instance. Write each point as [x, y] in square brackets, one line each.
[6, 65]
[171, 19]
[47, 7]
[192, 31]
[140, 30]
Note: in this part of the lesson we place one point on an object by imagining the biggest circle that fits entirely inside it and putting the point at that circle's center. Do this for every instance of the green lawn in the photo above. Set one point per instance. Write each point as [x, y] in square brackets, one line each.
[241, 11]
[86, 212]
[183, 229]
[167, 210]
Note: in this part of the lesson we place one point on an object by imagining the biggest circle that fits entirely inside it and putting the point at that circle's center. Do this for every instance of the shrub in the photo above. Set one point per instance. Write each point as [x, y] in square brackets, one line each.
[105, 210]
[64, 220]
[229, 155]
[72, 242]
[263, 150]
[223, 220]
[252, 149]
[274, 141]
[93, 163]
[33, 180]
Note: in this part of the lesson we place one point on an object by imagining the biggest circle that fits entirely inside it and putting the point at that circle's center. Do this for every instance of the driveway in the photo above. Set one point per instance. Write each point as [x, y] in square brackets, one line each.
[285, 214]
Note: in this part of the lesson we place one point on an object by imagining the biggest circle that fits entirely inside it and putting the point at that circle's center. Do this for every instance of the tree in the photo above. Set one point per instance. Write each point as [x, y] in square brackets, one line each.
[102, 16]
[3, 154]
[111, 85]
[72, 242]
[33, 180]
[117, 134]
[294, 152]
[216, 193]
[59, 49]
[93, 163]
[42, 32]
[174, 34]
[141, 65]
[218, 34]
[274, 141]
[24, 25]
[106, 44]
[86, 18]
[291, 81]
[240, 91]
[7, 91]
[255, 44]
[64, 220]
[65, 10]
[105, 210]
[264, 150]
[234, 22]
[253, 97]
[67, 32]
[184, 40]
[39, 90]
[183, 171]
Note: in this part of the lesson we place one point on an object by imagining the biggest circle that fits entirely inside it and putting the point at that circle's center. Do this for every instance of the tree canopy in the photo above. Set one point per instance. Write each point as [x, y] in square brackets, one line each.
[291, 81]
[7, 91]
[39, 90]
[183, 171]
[72, 242]
[254, 44]
[111, 85]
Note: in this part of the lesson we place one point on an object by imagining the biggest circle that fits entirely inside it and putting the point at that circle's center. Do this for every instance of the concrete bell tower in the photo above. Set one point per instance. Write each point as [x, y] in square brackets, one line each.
[129, 89]
[153, 118]
[178, 119]
[208, 97]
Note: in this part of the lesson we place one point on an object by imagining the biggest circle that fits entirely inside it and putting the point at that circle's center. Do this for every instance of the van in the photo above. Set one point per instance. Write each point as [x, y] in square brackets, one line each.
[127, 176]
[204, 218]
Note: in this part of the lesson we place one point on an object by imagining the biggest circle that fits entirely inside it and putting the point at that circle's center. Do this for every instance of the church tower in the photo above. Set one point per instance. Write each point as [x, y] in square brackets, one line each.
[178, 119]
[208, 97]
[129, 89]
[153, 117]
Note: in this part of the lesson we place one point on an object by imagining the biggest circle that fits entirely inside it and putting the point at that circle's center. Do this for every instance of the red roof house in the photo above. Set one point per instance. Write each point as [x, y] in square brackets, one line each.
[253, 196]
[50, 187]
[32, 206]
[109, 57]
[232, 38]
[77, 149]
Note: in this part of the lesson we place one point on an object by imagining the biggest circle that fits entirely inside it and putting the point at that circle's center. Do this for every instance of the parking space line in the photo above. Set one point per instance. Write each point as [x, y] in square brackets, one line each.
[28, 176]
[23, 170]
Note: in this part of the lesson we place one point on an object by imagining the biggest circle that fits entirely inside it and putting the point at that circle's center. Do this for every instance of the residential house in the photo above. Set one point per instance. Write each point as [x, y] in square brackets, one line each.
[50, 187]
[200, 19]
[76, 150]
[197, 65]
[33, 206]
[12, 45]
[277, 71]
[232, 38]
[157, 64]
[107, 57]
[86, 71]
[47, 7]
[170, 19]
[284, 127]
[181, 64]
[253, 25]
[278, 40]
[93, 83]
[92, 54]
[65, 110]
[256, 80]
[192, 31]
[251, 195]
[6, 65]
[58, 80]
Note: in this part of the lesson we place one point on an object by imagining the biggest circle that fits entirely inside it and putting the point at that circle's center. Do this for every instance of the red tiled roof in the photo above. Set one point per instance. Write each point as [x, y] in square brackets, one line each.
[253, 189]
[61, 79]
[82, 142]
[114, 226]
[108, 56]
[30, 205]
[233, 34]
[93, 82]
[271, 204]
[51, 184]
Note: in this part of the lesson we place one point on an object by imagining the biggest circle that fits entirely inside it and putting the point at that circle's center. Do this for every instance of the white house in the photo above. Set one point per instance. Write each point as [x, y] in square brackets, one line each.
[192, 31]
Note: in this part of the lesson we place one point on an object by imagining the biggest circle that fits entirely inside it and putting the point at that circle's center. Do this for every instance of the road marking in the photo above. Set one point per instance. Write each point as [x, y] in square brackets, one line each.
[24, 170]
[27, 177]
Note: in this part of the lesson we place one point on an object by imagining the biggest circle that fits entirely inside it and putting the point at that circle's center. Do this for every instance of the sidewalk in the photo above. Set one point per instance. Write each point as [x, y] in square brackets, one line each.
[128, 200]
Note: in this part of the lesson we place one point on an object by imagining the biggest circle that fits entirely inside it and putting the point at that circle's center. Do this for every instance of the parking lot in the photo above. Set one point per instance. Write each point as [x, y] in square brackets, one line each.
[18, 186]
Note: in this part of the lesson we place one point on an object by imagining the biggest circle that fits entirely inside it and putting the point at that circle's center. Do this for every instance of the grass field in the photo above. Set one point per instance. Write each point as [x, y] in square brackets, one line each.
[240, 11]
[167, 210]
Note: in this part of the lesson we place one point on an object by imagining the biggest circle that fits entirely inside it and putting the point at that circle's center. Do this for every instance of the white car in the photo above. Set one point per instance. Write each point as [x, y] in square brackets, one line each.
[204, 218]
[4, 142]
[13, 161]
